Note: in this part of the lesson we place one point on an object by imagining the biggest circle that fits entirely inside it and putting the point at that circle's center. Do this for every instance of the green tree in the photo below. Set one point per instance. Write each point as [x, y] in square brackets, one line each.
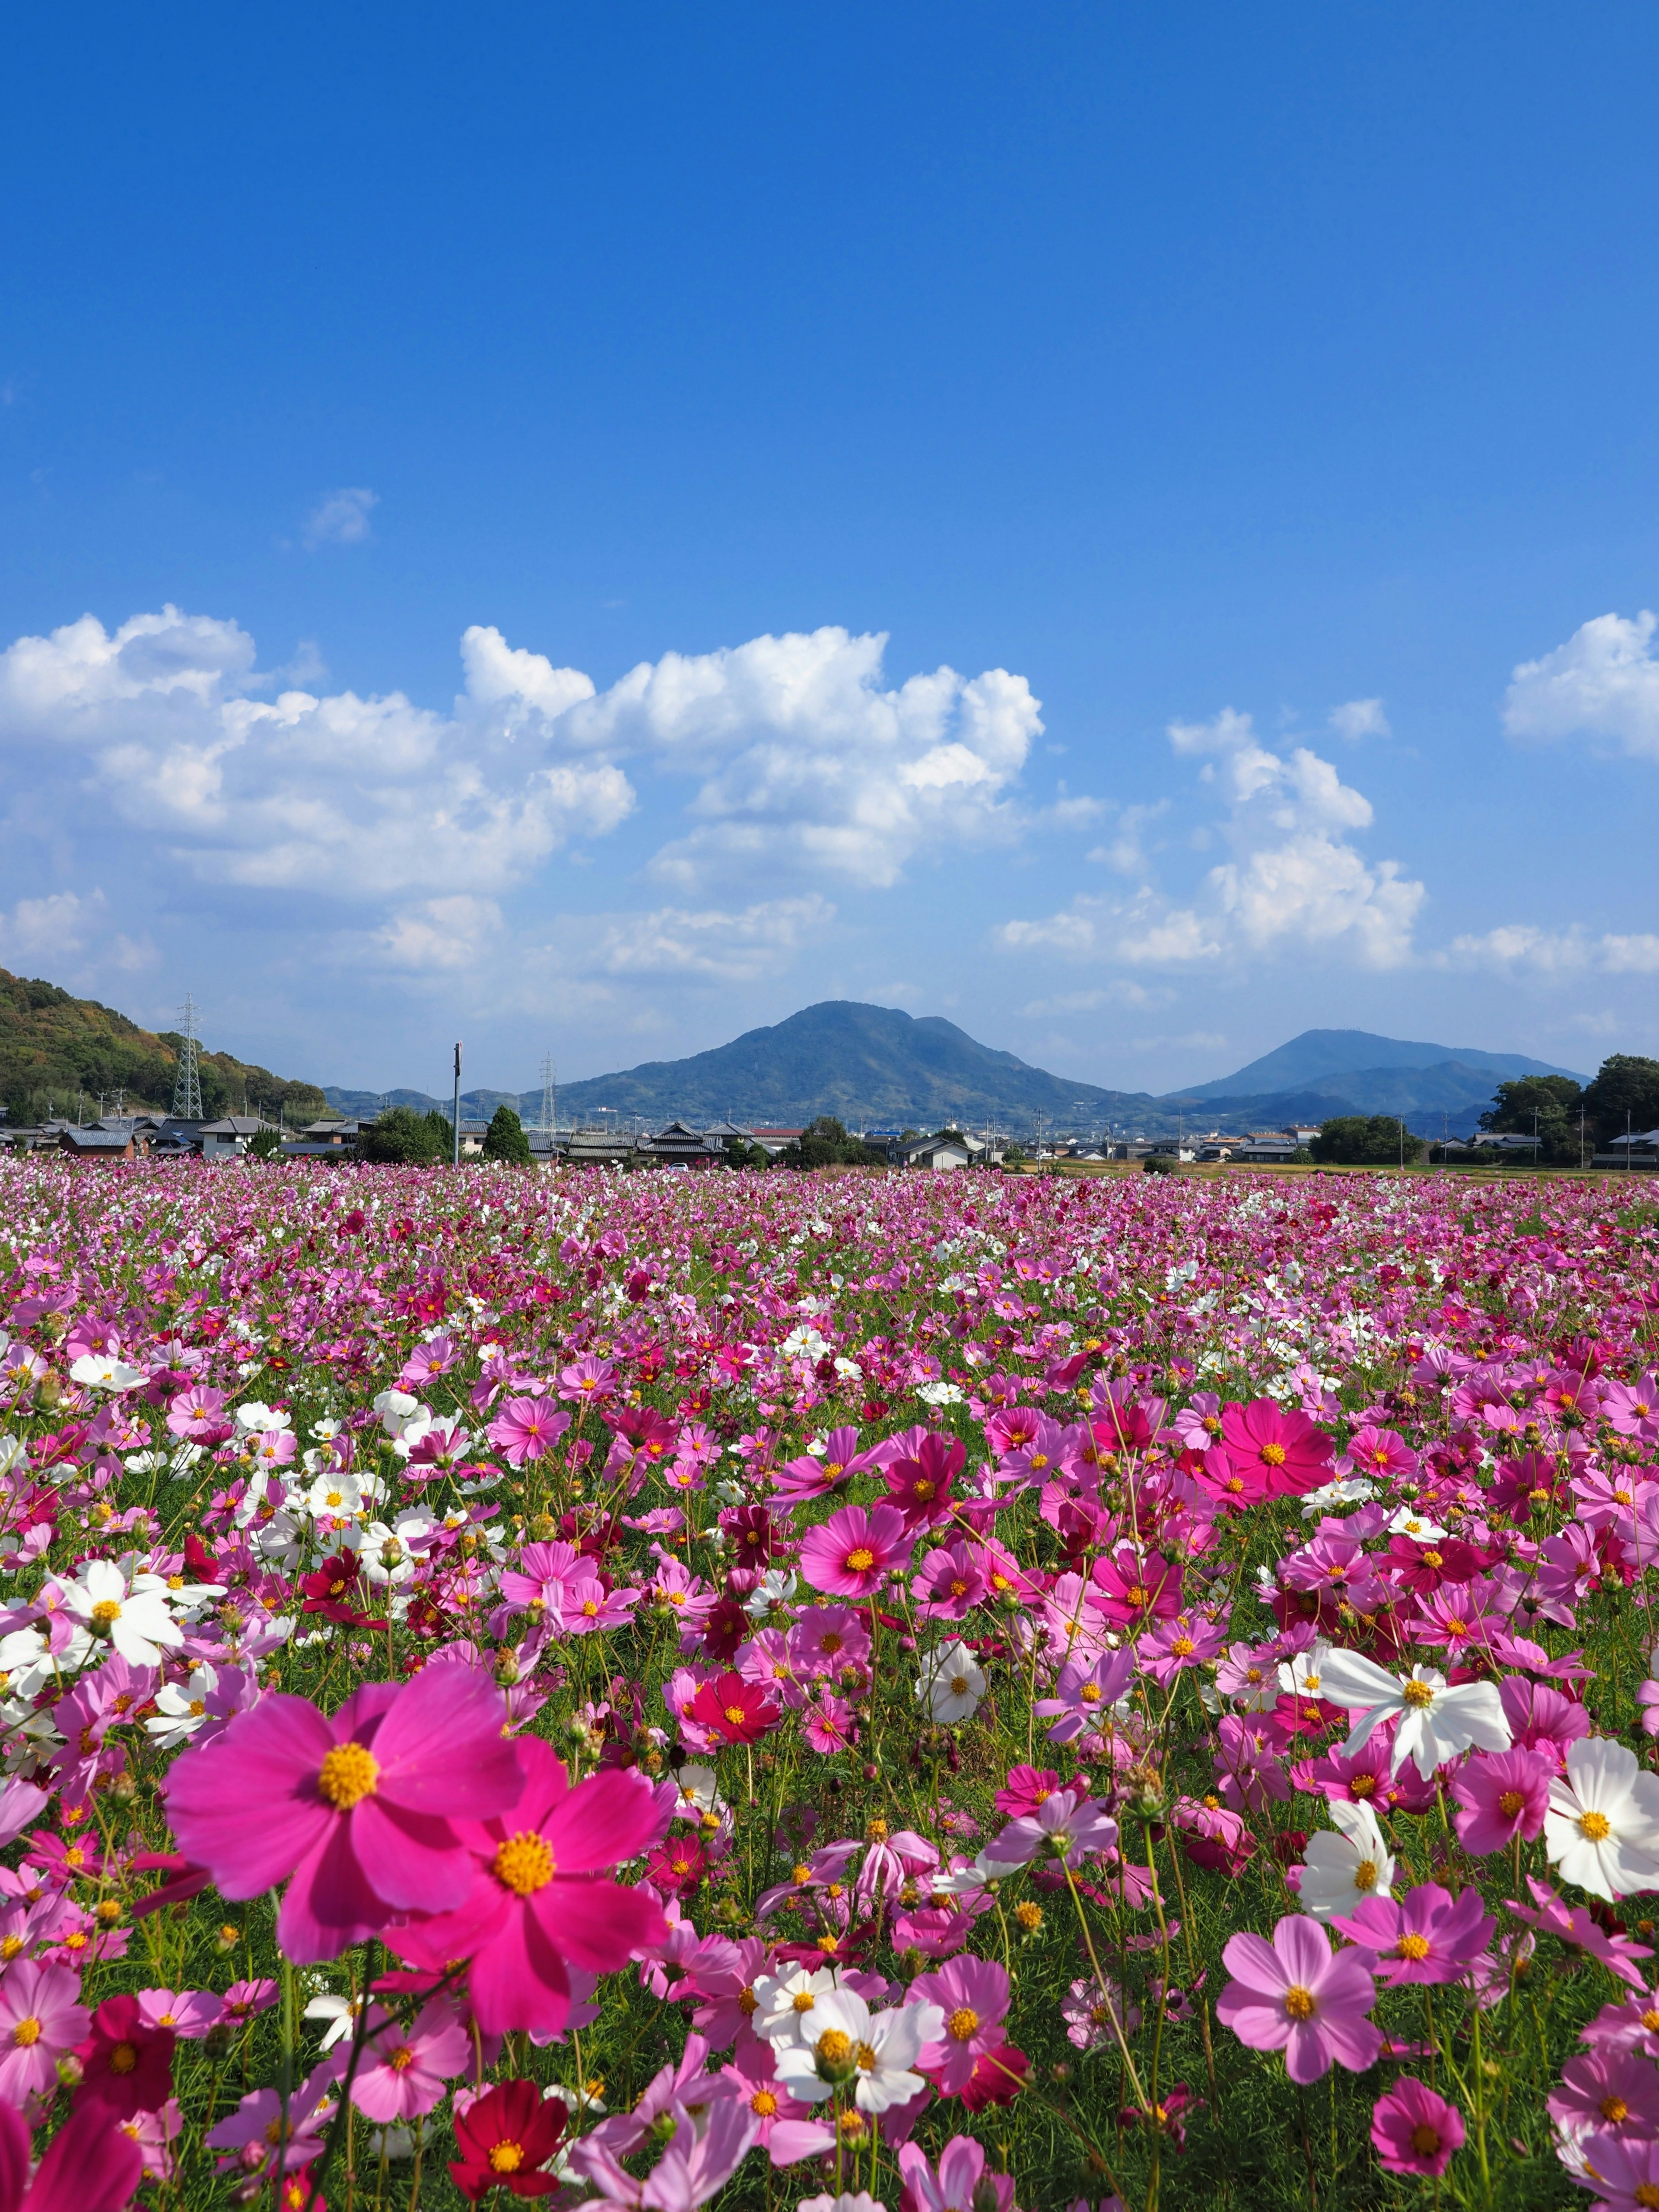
[1365, 1141]
[505, 1139]
[1554, 1099]
[267, 1144]
[402, 1138]
[827, 1144]
[1626, 1093]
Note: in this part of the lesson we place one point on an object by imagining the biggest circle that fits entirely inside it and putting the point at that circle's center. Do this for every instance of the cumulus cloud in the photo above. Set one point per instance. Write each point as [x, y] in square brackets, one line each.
[63, 924]
[354, 798]
[1520, 946]
[712, 944]
[1295, 880]
[340, 518]
[1603, 682]
[437, 935]
[1360, 718]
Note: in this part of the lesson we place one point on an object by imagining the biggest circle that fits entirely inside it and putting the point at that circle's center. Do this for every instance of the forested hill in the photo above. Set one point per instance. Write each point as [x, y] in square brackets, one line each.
[60, 1052]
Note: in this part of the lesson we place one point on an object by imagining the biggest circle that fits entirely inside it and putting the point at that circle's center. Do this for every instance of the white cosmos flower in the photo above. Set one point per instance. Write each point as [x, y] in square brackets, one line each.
[26, 1663]
[256, 1415]
[1435, 1720]
[135, 1620]
[786, 2004]
[340, 2013]
[874, 2052]
[953, 1683]
[181, 1708]
[1346, 1865]
[397, 1409]
[1301, 1674]
[102, 1371]
[1347, 1490]
[1417, 1526]
[698, 1793]
[341, 1494]
[1602, 1826]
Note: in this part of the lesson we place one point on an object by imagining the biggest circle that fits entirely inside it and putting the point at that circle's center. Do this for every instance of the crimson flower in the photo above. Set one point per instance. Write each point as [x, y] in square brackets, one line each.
[331, 1590]
[739, 1711]
[126, 2063]
[1280, 1449]
[505, 2139]
[91, 2164]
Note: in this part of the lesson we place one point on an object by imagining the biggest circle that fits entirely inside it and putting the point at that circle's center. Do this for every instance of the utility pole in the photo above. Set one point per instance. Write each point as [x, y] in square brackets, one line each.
[1580, 1136]
[455, 1155]
[550, 1096]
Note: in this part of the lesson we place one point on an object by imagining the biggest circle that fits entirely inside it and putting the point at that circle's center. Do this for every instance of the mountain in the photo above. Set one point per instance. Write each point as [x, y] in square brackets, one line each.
[1334, 1060]
[59, 1052]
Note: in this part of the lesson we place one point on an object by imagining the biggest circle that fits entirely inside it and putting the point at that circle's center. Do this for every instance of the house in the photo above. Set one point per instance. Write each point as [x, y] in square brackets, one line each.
[1216, 1148]
[681, 1146]
[773, 1141]
[938, 1153]
[1266, 1151]
[1637, 1150]
[96, 1144]
[1303, 1133]
[598, 1148]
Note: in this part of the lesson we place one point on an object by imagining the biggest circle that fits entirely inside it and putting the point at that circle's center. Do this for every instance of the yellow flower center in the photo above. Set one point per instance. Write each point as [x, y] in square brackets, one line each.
[924, 1489]
[1273, 1454]
[763, 2103]
[1425, 2140]
[1089, 1694]
[1365, 1875]
[401, 2059]
[1413, 1947]
[26, 2033]
[803, 2001]
[1299, 2002]
[1650, 2020]
[1417, 1694]
[1510, 1803]
[1613, 2110]
[523, 1864]
[959, 1685]
[124, 2059]
[1594, 1828]
[10, 1947]
[105, 1612]
[1432, 1558]
[736, 1715]
[506, 2157]
[1137, 1594]
[963, 2023]
[348, 1775]
[1184, 1647]
[1647, 2195]
[860, 1561]
[834, 2047]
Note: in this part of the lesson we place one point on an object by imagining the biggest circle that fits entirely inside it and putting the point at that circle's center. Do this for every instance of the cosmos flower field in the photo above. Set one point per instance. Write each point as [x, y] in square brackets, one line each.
[945, 1693]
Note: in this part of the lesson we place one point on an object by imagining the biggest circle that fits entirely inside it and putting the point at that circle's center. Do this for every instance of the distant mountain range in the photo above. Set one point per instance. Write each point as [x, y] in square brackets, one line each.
[874, 1066]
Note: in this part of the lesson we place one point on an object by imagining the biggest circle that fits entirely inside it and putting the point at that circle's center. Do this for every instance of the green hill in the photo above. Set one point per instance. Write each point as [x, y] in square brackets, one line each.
[59, 1053]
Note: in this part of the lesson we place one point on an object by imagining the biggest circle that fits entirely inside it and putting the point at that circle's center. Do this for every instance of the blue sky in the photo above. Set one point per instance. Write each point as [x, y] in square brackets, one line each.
[1030, 515]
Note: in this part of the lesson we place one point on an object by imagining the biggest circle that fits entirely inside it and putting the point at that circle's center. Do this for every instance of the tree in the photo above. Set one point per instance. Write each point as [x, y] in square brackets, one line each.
[1626, 1092]
[1554, 1099]
[402, 1138]
[505, 1139]
[827, 1144]
[1365, 1141]
[267, 1144]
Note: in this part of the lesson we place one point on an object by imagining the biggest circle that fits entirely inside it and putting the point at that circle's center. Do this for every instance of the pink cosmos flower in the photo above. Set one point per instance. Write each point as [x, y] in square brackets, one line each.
[587, 1381]
[90, 2165]
[851, 1555]
[406, 2070]
[357, 1808]
[1501, 1796]
[538, 1897]
[788, 2132]
[1130, 1589]
[1085, 1694]
[1026, 1788]
[1067, 1826]
[253, 2134]
[950, 1582]
[1624, 2170]
[188, 2012]
[1632, 2026]
[126, 2064]
[526, 1429]
[920, 1486]
[40, 2018]
[827, 1638]
[959, 2181]
[1381, 1453]
[1175, 1646]
[1607, 2089]
[1553, 1917]
[1279, 1453]
[1296, 1995]
[1427, 1936]
[1089, 2011]
[973, 1995]
[1414, 2131]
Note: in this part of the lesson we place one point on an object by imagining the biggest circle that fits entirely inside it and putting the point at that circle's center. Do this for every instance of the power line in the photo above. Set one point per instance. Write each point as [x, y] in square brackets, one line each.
[187, 1083]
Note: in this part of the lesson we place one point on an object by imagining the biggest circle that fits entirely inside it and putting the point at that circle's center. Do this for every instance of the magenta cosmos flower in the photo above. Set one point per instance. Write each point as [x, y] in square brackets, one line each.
[1278, 1453]
[973, 1994]
[357, 1809]
[1624, 2170]
[539, 1901]
[850, 1556]
[405, 2070]
[1502, 1795]
[91, 2165]
[1294, 1994]
[1427, 1936]
[1414, 2131]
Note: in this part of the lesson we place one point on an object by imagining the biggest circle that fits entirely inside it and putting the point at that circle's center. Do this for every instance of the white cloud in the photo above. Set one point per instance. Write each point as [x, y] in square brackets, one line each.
[1295, 881]
[352, 798]
[437, 935]
[1119, 991]
[341, 518]
[1518, 946]
[1360, 718]
[1603, 682]
[710, 943]
[63, 925]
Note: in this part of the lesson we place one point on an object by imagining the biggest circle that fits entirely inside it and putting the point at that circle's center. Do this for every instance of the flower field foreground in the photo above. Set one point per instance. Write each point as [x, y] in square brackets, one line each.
[943, 1693]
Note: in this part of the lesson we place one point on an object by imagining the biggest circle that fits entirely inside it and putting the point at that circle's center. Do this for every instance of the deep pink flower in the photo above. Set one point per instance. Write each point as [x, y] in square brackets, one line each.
[1502, 1794]
[1025, 1789]
[526, 1428]
[1085, 1695]
[950, 1582]
[126, 2064]
[1380, 1454]
[40, 2018]
[1130, 1587]
[90, 2165]
[1278, 1452]
[1427, 1936]
[788, 2130]
[1553, 1917]
[1296, 1995]
[357, 1808]
[736, 1711]
[1626, 2169]
[405, 2070]
[1607, 2089]
[1414, 2131]
[921, 1486]
[851, 1555]
[538, 1897]
[973, 1994]
[958, 2183]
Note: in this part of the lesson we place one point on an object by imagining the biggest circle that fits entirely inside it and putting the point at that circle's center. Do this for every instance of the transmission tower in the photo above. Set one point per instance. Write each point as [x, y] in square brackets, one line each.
[550, 1095]
[187, 1083]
